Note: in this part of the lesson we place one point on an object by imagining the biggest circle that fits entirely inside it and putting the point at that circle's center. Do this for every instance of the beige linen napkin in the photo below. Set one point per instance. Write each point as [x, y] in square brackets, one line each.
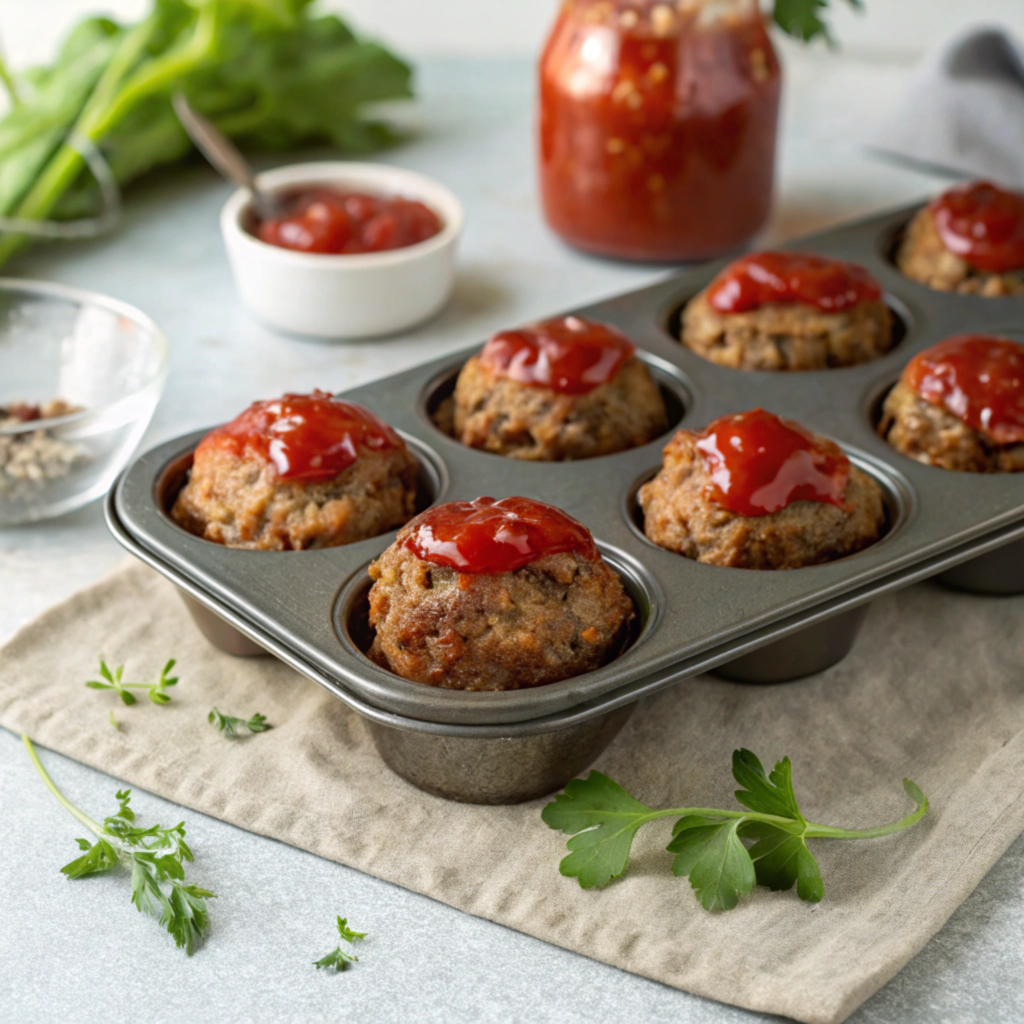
[932, 690]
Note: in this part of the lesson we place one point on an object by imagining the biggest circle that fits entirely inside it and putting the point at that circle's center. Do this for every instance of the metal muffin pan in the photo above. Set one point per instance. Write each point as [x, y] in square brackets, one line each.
[512, 762]
[697, 615]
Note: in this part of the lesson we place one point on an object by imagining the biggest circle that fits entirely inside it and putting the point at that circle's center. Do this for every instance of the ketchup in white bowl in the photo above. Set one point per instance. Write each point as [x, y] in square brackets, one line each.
[359, 250]
[337, 222]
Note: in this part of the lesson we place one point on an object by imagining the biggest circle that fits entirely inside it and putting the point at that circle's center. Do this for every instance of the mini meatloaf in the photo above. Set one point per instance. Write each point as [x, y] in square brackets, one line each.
[960, 405]
[488, 595]
[754, 491]
[562, 389]
[302, 471]
[789, 311]
[969, 240]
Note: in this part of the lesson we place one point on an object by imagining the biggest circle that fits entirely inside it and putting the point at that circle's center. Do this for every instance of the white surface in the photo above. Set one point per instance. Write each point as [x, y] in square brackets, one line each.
[358, 296]
[78, 951]
[31, 28]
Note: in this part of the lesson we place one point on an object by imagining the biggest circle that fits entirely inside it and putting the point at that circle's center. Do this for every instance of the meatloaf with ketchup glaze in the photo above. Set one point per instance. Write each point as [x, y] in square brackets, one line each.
[754, 491]
[789, 311]
[968, 240]
[562, 389]
[302, 471]
[495, 595]
[959, 405]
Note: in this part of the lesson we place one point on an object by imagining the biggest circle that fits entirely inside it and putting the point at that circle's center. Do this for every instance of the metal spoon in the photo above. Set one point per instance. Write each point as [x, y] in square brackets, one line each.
[225, 156]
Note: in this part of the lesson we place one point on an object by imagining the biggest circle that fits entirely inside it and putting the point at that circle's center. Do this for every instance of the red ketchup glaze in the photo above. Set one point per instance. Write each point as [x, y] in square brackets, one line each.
[487, 536]
[979, 379]
[983, 224]
[567, 354]
[307, 437]
[761, 463]
[326, 220]
[791, 277]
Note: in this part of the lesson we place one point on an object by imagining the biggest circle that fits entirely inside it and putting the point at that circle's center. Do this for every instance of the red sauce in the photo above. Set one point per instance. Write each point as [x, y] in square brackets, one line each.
[791, 277]
[487, 536]
[979, 379]
[657, 128]
[567, 354]
[760, 463]
[306, 437]
[326, 220]
[983, 224]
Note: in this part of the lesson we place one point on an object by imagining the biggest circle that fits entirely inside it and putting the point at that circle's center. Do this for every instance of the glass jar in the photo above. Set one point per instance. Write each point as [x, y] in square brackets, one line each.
[658, 126]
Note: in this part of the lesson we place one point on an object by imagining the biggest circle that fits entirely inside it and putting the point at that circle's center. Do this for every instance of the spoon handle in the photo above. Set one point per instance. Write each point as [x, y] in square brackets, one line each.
[220, 151]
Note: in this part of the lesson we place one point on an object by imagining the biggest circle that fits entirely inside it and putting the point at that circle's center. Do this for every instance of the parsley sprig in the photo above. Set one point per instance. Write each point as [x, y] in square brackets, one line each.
[156, 857]
[232, 727]
[802, 18]
[113, 680]
[339, 959]
[708, 844]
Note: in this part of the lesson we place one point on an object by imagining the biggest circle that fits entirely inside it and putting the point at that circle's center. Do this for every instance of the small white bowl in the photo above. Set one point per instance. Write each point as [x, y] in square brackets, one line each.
[356, 296]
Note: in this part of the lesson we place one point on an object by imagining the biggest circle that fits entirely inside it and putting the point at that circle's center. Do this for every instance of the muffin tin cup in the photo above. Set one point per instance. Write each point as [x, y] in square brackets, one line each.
[997, 574]
[471, 765]
[772, 626]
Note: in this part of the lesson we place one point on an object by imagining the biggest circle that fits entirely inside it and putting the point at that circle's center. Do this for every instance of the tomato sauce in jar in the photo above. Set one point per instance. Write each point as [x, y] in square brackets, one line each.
[567, 354]
[306, 437]
[979, 379]
[761, 463]
[764, 278]
[658, 126]
[325, 220]
[487, 536]
[983, 224]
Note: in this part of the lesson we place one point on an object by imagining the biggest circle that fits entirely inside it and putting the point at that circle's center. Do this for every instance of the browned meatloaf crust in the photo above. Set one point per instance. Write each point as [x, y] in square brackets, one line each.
[557, 617]
[787, 336]
[934, 436]
[923, 257]
[525, 422]
[679, 516]
[241, 503]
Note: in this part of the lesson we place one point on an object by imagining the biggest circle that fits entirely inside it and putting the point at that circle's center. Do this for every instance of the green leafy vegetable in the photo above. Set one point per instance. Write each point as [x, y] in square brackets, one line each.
[231, 727]
[338, 958]
[112, 680]
[710, 845]
[155, 856]
[802, 18]
[269, 73]
[114, 722]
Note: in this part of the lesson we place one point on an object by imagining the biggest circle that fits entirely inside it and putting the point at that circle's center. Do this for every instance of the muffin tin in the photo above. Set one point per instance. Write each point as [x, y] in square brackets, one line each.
[309, 607]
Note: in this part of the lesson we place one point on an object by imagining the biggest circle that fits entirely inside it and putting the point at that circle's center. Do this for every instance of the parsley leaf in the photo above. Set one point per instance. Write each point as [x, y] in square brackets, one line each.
[802, 18]
[113, 680]
[610, 817]
[232, 727]
[710, 845]
[338, 958]
[717, 863]
[155, 856]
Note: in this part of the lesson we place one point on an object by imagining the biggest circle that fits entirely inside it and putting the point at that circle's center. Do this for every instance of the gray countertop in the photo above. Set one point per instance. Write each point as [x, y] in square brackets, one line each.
[78, 951]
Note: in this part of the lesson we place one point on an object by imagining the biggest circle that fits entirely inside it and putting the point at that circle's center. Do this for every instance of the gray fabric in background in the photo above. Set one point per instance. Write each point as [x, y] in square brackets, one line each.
[964, 110]
[932, 689]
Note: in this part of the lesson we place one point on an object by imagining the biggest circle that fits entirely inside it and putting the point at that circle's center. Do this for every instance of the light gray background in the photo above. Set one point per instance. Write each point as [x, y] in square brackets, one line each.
[516, 27]
[78, 951]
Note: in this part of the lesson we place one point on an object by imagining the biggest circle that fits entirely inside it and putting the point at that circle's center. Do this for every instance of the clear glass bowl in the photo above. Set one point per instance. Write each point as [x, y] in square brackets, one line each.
[106, 360]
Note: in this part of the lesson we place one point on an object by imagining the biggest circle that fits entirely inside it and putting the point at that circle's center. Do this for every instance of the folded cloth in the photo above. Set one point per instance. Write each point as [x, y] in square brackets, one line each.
[964, 110]
[931, 690]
